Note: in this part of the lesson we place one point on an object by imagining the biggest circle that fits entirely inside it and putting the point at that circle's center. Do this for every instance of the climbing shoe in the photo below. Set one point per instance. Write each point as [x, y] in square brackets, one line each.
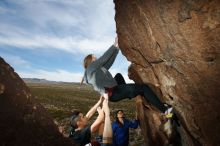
[169, 116]
[169, 113]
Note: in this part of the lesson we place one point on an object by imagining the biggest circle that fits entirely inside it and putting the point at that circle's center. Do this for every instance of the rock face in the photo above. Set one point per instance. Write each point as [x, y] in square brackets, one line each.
[23, 121]
[174, 47]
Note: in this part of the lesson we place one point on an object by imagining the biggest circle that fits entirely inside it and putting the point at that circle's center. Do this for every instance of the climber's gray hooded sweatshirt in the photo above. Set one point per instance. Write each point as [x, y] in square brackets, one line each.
[97, 72]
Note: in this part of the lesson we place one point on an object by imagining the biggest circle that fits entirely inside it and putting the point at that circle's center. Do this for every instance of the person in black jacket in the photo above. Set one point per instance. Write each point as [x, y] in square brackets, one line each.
[81, 131]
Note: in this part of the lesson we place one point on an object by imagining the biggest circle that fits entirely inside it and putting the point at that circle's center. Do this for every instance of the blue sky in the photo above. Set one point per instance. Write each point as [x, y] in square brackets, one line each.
[48, 39]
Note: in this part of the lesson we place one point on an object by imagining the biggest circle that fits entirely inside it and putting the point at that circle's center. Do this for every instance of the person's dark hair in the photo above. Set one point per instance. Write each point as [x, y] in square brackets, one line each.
[74, 119]
[117, 120]
[73, 122]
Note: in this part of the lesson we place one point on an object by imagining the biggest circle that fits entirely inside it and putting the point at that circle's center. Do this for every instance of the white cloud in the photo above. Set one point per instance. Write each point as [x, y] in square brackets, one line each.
[15, 60]
[5, 10]
[47, 24]
[75, 26]
[58, 75]
[42, 12]
[68, 44]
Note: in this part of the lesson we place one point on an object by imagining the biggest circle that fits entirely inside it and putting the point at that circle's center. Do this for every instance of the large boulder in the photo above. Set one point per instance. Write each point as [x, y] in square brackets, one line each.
[23, 121]
[174, 47]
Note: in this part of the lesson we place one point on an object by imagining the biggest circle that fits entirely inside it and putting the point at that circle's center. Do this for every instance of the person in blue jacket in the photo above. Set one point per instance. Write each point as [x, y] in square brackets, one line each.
[121, 127]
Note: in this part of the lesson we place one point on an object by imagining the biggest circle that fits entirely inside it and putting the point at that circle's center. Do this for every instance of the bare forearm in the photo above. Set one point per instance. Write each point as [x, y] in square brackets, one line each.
[107, 132]
[97, 123]
[92, 111]
[107, 128]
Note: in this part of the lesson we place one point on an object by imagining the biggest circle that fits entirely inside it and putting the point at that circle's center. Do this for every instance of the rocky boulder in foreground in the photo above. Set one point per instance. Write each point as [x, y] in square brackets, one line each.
[23, 121]
[174, 47]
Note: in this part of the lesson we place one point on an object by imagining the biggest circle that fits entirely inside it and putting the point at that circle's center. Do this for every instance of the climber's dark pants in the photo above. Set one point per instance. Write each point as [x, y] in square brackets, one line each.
[123, 90]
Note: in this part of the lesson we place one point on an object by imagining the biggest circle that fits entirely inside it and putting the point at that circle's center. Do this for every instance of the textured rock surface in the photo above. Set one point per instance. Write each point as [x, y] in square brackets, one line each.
[23, 121]
[174, 47]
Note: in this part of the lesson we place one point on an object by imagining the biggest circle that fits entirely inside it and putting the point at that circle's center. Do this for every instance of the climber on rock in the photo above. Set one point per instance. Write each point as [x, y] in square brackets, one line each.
[97, 74]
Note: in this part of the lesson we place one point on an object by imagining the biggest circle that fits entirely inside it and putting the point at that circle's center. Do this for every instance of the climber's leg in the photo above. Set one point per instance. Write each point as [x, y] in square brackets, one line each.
[152, 98]
[132, 90]
[123, 91]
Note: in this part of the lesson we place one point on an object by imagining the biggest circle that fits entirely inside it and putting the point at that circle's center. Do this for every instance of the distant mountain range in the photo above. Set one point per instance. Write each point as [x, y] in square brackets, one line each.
[34, 80]
[42, 81]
